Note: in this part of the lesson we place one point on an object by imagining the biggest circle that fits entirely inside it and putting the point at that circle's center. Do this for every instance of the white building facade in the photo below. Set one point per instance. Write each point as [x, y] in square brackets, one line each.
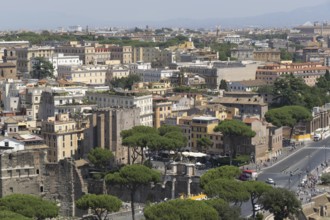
[125, 100]
[60, 59]
[88, 74]
[154, 75]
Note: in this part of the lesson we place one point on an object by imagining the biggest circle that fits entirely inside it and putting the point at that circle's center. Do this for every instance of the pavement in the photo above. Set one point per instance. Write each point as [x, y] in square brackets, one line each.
[286, 152]
[292, 167]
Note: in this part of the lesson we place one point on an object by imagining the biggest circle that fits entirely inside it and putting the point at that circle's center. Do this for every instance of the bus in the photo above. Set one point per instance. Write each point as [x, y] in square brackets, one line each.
[248, 175]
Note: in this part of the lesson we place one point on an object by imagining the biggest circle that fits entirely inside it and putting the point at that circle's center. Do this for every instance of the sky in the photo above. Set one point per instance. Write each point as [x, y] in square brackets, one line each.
[43, 13]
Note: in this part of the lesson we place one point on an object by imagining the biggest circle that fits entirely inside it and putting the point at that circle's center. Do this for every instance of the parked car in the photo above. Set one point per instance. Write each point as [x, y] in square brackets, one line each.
[257, 207]
[270, 181]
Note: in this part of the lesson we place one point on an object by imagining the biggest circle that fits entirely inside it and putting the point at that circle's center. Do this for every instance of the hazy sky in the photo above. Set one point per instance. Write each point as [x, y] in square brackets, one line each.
[41, 13]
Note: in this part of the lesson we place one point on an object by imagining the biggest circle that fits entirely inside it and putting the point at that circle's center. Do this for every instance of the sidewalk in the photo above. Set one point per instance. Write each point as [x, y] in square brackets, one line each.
[286, 152]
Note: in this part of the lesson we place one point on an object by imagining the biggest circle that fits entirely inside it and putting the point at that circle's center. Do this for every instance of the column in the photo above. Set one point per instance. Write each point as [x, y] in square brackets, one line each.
[188, 186]
[173, 187]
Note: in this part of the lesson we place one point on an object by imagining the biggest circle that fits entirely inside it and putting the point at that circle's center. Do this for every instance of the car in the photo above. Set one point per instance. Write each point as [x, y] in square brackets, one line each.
[270, 181]
[257, 207]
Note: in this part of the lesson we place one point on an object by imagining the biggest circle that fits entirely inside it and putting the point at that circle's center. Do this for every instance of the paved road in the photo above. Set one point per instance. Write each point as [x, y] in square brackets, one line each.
[290, 171]
[298, 165]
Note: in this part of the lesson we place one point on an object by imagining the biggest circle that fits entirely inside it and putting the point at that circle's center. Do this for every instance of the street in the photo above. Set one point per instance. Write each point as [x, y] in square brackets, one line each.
[292, 170]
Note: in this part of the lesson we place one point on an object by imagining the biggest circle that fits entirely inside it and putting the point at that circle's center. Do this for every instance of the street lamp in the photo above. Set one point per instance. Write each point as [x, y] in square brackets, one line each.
[289, 183]
[325, 156]
[230, 158]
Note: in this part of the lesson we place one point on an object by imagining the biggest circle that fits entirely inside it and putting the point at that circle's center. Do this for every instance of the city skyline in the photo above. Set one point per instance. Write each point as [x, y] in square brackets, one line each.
[103, 13]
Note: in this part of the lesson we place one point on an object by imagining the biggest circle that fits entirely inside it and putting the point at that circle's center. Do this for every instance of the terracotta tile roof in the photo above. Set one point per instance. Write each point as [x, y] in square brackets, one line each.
[256, 82]
[250, 120]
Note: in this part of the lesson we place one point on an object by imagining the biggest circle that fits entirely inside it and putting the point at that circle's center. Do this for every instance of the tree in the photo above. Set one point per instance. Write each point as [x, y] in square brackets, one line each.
[181, 210]
[225, 211]
[281, 202]
[256, 190]
[204, 143]
[30, 206]
[289, 90]
[42, 69]
[288, 116]
[230, 190]
[223, 172]
[125, 82]
[223, 85]
[325, 178]
[233, 130]
[171, 139]
[285, 55]
[101, 205]
[8, 215]
[133, 177]
[101, 158]
[138, 138]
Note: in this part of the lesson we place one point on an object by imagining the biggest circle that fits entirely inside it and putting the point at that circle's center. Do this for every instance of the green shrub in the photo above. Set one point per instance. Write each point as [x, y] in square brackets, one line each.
[325, 178]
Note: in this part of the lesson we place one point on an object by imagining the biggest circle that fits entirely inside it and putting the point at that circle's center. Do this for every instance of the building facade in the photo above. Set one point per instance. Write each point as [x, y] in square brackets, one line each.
[26, 55]
[125, 99]
[122, 53]
[104, 130]
[63, 137]
[309, 72]
[88, 74]
[61, 59]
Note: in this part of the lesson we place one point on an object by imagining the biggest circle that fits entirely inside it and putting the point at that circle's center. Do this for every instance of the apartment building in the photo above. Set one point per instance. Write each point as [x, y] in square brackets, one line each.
[104, 130]
[87, 74]
[26, 55]
[162, 109]
[154, 75]
[246, 85]
[139, 65]
[155, 88]
[56, 101]
[122, 53]
[233, 39]
[267, 55]
[11, 91]
[309, 72]
[248, 106]
[145, 54]
[242, 53]
[63, 137]
[85, 53]
[116, 72]
[164, 57]
[61, 59]
[102, 55]
[196, 127]
[215, 110]
[32, 102]
[125, 99]
[210, 74]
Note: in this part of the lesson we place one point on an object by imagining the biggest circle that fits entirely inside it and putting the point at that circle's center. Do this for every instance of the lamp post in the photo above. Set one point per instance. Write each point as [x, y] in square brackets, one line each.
[230, 158]
[325, 155]
[290, 183]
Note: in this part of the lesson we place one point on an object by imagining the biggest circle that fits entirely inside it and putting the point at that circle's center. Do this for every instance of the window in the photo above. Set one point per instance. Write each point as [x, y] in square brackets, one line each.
[37, 171]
